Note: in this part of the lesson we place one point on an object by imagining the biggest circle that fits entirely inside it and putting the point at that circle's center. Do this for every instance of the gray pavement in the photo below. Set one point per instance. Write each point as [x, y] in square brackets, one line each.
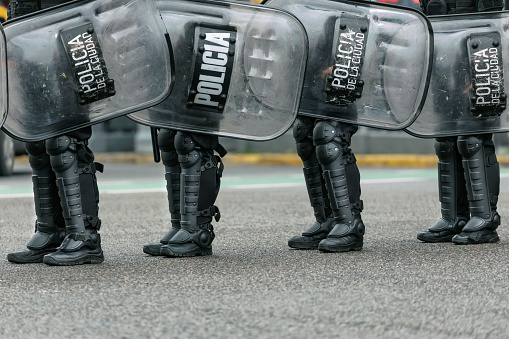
[254, 286]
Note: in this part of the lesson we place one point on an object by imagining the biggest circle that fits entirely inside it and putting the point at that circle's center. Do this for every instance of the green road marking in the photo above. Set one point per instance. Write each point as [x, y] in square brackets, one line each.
[367, 176]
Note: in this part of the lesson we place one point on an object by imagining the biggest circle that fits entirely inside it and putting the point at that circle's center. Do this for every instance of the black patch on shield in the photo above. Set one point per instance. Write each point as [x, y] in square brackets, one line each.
[214, 52]
[344, 85]
[486, 68]
[87, 62]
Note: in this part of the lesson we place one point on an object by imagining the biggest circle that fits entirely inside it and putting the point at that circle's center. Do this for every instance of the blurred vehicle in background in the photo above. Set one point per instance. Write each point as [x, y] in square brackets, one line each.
[9, 148]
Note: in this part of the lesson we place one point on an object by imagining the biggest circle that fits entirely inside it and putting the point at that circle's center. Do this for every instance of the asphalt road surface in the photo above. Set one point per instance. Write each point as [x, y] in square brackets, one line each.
[254, 286]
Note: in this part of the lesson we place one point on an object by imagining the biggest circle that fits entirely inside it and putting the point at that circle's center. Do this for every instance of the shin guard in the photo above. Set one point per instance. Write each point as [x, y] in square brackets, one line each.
[482, 175]
[199, 187]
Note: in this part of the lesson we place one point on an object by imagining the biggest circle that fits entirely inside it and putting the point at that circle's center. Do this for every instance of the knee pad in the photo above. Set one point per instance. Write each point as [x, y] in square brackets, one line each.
[469, 145]
[166, 140]
[35, 148]
[37, 156]
[305, 149]
[324, 132]
[184, 144]
[327, 153]
[62, 151]
[444, 148]
[58, 145]
[302, 128]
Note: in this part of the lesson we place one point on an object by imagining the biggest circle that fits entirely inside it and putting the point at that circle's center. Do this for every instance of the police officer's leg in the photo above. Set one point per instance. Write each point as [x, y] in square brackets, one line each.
[49, 226]
[199, 187]
[332, 140]
[452, 193]
[166, 140]
[74, 167]
[303, 134]
[482, 174]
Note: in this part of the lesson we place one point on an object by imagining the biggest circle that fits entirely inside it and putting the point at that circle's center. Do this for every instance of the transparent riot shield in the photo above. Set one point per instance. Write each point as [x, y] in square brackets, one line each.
[368, 64]
[82, 63]
[239, 69]
[467, 92]
[4, 100]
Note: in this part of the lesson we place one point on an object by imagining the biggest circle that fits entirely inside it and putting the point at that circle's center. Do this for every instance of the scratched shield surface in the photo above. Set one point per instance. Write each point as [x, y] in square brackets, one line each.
[239, 69]
[368, 64]
[468, 89]
[83, 63]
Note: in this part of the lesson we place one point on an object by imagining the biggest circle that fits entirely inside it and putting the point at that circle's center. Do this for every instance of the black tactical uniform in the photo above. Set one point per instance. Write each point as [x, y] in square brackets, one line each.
[468, 170]
[65, 190]
[333, 184]
[193, 176]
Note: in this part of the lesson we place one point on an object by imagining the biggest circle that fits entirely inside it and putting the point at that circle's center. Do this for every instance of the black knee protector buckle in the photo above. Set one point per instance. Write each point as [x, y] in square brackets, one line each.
[90, 168]
[212, 211]
[468, 146]
[358, 205]
[350, 159]
[92, 222]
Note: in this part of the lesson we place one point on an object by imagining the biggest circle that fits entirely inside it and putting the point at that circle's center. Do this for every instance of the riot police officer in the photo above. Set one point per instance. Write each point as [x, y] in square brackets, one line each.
[333, 184]
[193, 174]
[65, 190]
[469, 173]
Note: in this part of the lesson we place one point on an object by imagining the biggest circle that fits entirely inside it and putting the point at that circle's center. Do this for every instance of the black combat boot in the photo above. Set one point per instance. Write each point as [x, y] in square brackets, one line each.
[171, 164]
[342, 178]
[49, 226]
[199, 187]
[482, 173]
[311, 237]
[73, 164]
[452, 193]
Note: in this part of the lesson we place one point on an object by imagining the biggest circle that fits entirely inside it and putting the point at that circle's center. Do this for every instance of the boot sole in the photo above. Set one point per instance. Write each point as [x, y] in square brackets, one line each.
[169, 253]
[148, 250]
[303, 246]
[435, 240]
[87, 259]
[35, 259]
[468, 241]
[333, 249]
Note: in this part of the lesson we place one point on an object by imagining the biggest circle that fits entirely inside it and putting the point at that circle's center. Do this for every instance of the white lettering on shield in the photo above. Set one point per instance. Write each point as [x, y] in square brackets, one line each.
[88, 66]
[214, 59]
